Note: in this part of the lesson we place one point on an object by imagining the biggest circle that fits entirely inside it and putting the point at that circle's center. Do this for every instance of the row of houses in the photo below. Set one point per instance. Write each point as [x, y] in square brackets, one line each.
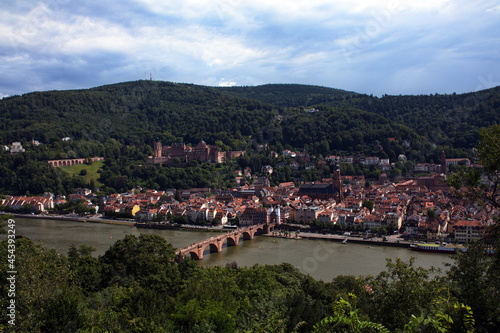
[46, 203]
[37, 204]
[283, 204]
[409, 207]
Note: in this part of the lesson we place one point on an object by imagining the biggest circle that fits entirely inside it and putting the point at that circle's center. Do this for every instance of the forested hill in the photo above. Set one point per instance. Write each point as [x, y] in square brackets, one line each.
[143, 111]
[290, 95]
[276, 114]
[135, 112]
[121, 122]
[449, 119]
[452, 120]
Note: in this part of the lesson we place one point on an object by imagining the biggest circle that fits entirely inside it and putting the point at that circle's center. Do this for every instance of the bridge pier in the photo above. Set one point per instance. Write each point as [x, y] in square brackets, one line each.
[268, 228]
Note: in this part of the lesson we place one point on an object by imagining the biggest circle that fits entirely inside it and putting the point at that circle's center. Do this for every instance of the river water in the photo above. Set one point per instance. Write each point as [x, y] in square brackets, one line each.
[322, 259]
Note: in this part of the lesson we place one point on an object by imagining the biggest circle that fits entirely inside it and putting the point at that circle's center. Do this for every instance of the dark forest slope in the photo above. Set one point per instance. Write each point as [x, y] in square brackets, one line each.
[276, 114]
[290, 95]
[121, 121]
[132, 111]
[143, 111]
[452, 119]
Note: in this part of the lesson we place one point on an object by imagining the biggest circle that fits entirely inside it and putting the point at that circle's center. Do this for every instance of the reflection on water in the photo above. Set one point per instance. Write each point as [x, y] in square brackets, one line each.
[320, 258]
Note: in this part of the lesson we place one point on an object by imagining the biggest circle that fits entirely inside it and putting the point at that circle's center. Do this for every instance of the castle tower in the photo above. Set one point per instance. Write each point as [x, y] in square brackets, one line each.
[157, 149]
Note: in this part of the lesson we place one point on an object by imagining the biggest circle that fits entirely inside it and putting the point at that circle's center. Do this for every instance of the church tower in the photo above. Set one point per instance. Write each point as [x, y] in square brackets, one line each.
[443, 168]
[337, 183]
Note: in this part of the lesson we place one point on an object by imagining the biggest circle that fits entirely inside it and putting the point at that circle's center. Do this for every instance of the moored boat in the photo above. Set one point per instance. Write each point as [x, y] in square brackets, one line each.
[437, 248]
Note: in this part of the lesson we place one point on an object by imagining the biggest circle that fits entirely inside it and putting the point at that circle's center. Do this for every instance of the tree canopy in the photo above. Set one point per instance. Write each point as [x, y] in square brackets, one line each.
[137, 286]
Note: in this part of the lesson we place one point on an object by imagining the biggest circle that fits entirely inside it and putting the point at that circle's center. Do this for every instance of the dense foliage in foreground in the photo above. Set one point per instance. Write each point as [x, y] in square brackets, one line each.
[137, 286]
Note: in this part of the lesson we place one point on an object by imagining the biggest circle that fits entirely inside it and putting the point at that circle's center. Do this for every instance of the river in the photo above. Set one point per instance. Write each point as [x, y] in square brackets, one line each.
[321, 259]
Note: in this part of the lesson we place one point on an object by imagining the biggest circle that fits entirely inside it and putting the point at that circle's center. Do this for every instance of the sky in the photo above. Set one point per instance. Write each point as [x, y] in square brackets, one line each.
[374, 47]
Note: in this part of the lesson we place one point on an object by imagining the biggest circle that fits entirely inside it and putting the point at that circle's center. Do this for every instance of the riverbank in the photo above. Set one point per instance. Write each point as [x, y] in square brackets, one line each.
[72, 218]
[130, 223]
[186, 227]
[390, 241]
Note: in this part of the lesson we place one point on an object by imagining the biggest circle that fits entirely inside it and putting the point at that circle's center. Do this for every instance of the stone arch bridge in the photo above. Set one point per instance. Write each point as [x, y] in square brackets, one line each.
[215, 243]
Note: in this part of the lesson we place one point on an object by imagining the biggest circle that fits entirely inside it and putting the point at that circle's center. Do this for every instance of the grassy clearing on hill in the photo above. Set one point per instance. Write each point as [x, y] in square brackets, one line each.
[91, 171]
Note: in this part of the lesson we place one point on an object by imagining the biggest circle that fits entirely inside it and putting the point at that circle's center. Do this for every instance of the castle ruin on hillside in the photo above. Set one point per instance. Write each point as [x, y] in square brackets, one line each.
[182, 153]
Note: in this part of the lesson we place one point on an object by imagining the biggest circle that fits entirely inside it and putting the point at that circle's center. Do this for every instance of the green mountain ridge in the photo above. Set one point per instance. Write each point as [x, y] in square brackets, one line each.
[141, 112]
[122, 121]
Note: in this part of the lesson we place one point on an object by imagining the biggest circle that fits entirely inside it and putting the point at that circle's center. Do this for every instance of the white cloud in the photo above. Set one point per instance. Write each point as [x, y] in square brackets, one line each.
[495, 10]
[259, 41]
[224, 83]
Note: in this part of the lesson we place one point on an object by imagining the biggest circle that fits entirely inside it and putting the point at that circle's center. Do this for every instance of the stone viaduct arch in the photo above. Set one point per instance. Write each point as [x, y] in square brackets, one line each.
[73, 161]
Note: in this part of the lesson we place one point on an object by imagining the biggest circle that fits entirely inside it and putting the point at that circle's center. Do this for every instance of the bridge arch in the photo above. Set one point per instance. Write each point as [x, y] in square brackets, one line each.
[194, 255]
[248, 234]
[212, 246]
[233, 240]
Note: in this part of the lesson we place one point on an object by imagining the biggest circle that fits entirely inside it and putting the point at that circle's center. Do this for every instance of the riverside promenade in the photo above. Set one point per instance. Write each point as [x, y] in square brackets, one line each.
[72, 218]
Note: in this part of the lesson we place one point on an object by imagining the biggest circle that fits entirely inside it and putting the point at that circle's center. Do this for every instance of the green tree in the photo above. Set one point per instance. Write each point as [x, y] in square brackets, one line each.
[476, 277]
[346, 318]
[214, 309]
[468, 182]
[3, 222]
[445, 316]
[399, 292]
[87, 268]
[368, 204]
[475, 280]
[43, 282]
[64, 313]
[147, 260]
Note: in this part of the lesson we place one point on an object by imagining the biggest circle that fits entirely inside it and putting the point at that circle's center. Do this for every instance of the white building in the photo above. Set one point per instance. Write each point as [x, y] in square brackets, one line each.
[16, 147]
[371, 160]
[467, 231]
